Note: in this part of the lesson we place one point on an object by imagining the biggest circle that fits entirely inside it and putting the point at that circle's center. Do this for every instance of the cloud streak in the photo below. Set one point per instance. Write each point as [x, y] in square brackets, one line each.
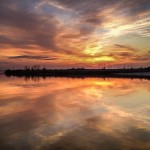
[32, 57]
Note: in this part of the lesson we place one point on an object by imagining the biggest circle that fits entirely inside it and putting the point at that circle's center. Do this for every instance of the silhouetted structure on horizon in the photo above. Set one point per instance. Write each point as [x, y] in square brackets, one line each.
[81, 72]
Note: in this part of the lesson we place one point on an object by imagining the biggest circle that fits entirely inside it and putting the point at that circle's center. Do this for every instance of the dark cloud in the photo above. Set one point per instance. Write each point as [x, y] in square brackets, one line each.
[142, 58]
[23, 42]
[86, 5]
[94, 20]
[32, 57]
[92, 6]
[125, 47]
[91, 11]
[32, 29]
[135, 7]
[126, 52]
[87, 11]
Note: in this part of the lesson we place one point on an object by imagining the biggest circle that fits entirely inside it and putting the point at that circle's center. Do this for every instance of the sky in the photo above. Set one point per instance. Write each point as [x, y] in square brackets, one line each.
[74, 33]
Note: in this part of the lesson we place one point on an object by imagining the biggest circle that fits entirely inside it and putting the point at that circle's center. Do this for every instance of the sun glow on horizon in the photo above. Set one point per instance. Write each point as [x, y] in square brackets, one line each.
[93, 50]
[101, 59]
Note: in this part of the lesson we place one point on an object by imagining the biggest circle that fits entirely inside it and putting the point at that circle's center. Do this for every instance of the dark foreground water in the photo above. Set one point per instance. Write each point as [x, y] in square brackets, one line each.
[74, 114]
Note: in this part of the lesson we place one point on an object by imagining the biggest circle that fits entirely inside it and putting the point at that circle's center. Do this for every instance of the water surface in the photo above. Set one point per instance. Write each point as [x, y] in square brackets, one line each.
[74, 114]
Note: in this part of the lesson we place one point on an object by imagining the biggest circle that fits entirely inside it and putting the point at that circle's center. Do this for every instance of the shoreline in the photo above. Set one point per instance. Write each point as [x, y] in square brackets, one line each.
[141, 73]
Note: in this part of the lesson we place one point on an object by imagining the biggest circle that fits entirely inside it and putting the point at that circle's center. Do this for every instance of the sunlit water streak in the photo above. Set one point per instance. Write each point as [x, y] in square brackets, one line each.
[65, 113]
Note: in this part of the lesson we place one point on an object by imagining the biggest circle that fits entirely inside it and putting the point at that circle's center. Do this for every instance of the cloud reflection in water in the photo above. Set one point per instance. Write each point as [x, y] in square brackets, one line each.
[61, 113]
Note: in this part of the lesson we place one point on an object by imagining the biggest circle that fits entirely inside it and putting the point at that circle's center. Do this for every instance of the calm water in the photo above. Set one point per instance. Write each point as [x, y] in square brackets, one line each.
[74, 114]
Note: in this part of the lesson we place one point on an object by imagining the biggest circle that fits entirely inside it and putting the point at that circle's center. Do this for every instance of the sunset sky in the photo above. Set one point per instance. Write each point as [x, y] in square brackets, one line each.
[74, 33]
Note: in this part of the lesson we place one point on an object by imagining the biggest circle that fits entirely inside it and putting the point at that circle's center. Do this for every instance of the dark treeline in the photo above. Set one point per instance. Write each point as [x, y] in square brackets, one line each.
[142, 72]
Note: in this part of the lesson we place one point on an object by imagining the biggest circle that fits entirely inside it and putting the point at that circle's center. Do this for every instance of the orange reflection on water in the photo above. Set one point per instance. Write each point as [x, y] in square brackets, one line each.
[93, 111]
